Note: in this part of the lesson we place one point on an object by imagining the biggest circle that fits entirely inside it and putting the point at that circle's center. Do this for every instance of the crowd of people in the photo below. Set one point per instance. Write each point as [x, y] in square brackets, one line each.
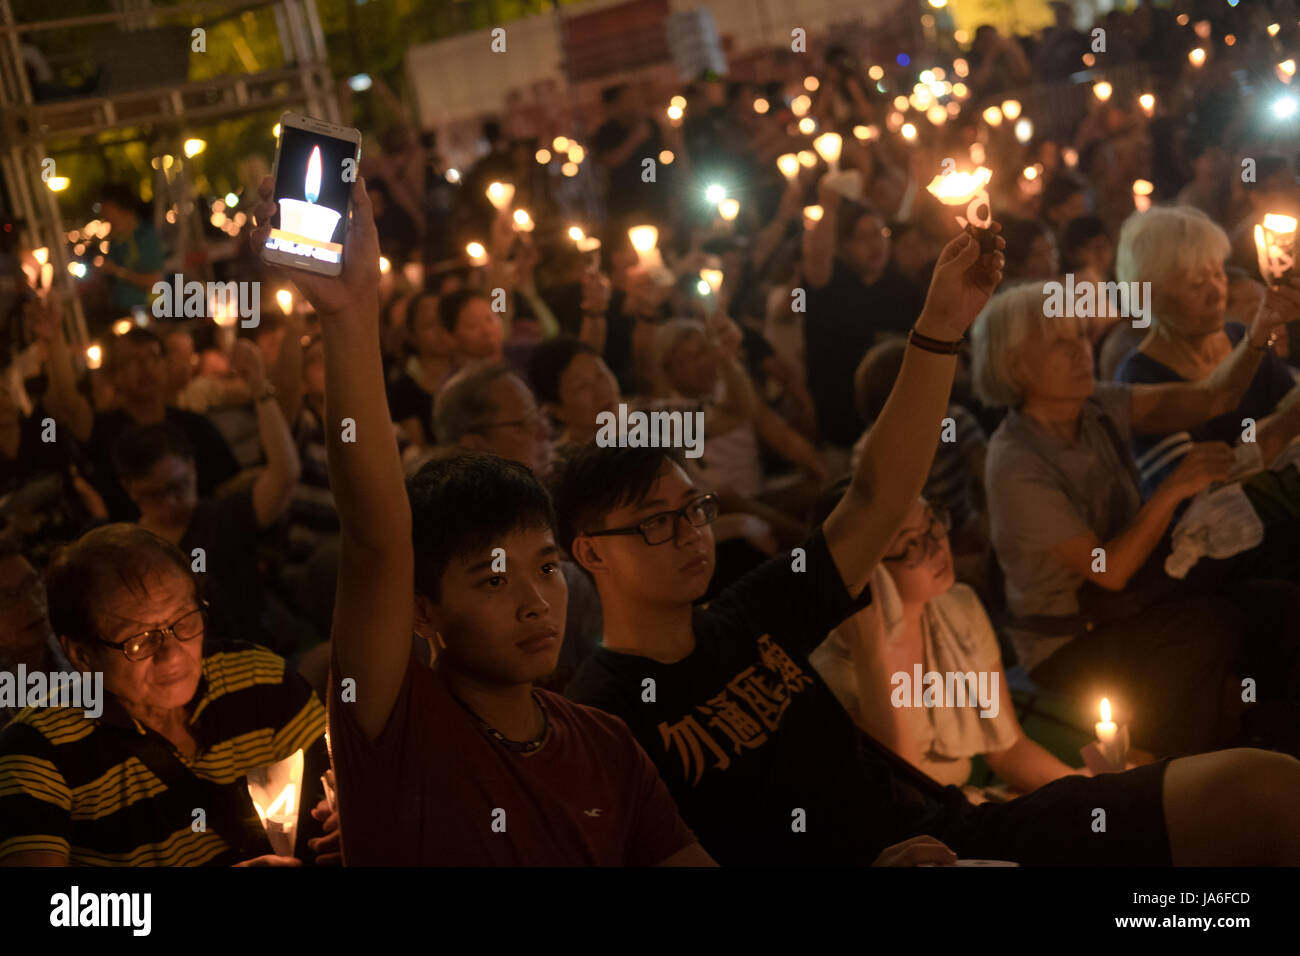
[394, 509]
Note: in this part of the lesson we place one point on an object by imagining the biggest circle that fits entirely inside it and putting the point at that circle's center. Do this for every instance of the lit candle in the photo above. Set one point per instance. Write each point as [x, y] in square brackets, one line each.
[968, 188]
[1102, 90]
[813, 213]
[1197, 57]
[644, 241]
[477, 253]
[1148, 103]
[500, 194]
[713, 277]
[94, 357]
[728, 209]
[1142, 190]
[1275, 244]
[829, 146]
[384, 265]
[576, 233]
[1107, 729]
[807, 158]
[275, 791]
[523, 221]
[284, 298]
[993, 116]
[788, 163]
[1011, 109]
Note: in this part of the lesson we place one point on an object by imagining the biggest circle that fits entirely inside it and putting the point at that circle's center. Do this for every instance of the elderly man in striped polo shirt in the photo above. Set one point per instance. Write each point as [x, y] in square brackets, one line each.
[178, 731]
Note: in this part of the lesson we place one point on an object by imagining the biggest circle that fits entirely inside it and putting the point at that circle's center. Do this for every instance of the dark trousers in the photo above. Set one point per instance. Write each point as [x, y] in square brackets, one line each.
[1165, 670]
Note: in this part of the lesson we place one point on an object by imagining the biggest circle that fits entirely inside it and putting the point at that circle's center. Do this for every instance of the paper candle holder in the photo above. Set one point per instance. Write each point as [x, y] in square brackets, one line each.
[276, 790]
[1275, 244]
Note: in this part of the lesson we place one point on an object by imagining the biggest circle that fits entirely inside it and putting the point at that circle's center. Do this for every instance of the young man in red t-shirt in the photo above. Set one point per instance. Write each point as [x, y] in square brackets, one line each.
[464, 763]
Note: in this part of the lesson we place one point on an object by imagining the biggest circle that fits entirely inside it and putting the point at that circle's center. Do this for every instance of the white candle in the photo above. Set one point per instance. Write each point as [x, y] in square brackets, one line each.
[1107, 729]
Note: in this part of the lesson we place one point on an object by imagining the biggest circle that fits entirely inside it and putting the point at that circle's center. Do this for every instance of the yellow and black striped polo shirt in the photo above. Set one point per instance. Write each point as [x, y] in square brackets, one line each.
[77, 785]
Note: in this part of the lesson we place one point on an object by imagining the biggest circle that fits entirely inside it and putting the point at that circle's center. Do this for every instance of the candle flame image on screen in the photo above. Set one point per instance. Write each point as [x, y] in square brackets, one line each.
[311, 188]
[957, 188]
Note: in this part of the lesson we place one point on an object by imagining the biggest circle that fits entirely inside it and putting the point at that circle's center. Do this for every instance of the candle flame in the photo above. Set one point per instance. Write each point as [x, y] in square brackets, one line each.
[1276, 222]
[828, 146]
[575, 233]
[955, 189]
[1105, 710]
[788, 163]
[813, 213]
[500, 194]
[713, 277]
[644, 238]
[311, 189]
[728, 209]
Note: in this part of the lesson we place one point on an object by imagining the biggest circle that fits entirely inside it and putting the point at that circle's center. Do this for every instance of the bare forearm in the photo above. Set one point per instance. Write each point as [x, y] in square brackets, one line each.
[900, 447]
[819, 248]
[62, 399]
[1274, 432]
[286, 374]
[1026, 766]
[367, 482]
[274, 487]
[594, 331]
[1130, 549]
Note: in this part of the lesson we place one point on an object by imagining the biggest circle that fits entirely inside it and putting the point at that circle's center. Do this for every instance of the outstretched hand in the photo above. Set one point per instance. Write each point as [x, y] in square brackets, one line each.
[962, 284]
[357, 288]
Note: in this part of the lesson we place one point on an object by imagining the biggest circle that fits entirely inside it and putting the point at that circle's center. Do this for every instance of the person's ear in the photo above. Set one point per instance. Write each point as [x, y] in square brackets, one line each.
[587, 554]
[427, 624]
[76, 653]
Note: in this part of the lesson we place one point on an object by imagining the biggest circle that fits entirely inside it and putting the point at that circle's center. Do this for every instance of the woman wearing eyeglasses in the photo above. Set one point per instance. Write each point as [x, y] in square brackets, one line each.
[921, 616]
[158, 777]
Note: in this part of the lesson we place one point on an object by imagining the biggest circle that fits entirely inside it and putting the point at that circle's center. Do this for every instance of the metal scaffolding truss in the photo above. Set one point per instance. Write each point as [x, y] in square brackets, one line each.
[27, 125]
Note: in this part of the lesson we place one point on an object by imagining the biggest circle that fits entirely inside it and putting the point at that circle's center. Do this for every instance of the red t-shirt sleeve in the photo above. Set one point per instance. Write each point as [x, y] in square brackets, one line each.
[372, 778]
[658, 830]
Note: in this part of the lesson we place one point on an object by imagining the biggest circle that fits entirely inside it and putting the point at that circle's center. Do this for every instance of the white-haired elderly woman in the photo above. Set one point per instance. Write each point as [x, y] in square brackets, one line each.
[1092, 615]
[1180, 251]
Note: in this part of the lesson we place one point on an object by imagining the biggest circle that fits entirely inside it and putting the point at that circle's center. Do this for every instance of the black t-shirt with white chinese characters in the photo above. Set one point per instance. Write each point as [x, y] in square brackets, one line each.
[765, 765]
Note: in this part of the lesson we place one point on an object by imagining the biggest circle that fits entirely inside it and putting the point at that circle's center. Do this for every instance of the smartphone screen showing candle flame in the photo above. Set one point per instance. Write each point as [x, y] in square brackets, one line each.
[311, 195]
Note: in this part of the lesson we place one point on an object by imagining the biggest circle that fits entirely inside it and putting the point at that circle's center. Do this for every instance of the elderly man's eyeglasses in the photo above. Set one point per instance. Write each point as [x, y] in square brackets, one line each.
[916, 547]
[146, 644]
[531, 423]
[662, 527]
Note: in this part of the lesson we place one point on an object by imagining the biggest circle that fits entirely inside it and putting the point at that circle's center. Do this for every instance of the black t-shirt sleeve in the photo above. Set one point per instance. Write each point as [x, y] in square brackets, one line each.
[213, 458]
[407, 400]
[797, 597]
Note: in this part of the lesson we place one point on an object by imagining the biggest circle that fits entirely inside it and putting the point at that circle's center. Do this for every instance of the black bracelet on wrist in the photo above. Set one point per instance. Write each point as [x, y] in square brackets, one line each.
[937, 346]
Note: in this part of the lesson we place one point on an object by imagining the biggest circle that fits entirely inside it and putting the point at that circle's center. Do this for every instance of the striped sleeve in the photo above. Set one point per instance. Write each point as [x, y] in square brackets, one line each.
[35, 800]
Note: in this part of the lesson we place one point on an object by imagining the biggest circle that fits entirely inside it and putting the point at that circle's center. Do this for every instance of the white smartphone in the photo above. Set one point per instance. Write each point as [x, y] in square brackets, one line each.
[315, 166]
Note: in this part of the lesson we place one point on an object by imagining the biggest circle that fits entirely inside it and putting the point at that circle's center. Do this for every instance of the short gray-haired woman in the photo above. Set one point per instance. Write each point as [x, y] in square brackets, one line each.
[1073, 537]
[1180, 251]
